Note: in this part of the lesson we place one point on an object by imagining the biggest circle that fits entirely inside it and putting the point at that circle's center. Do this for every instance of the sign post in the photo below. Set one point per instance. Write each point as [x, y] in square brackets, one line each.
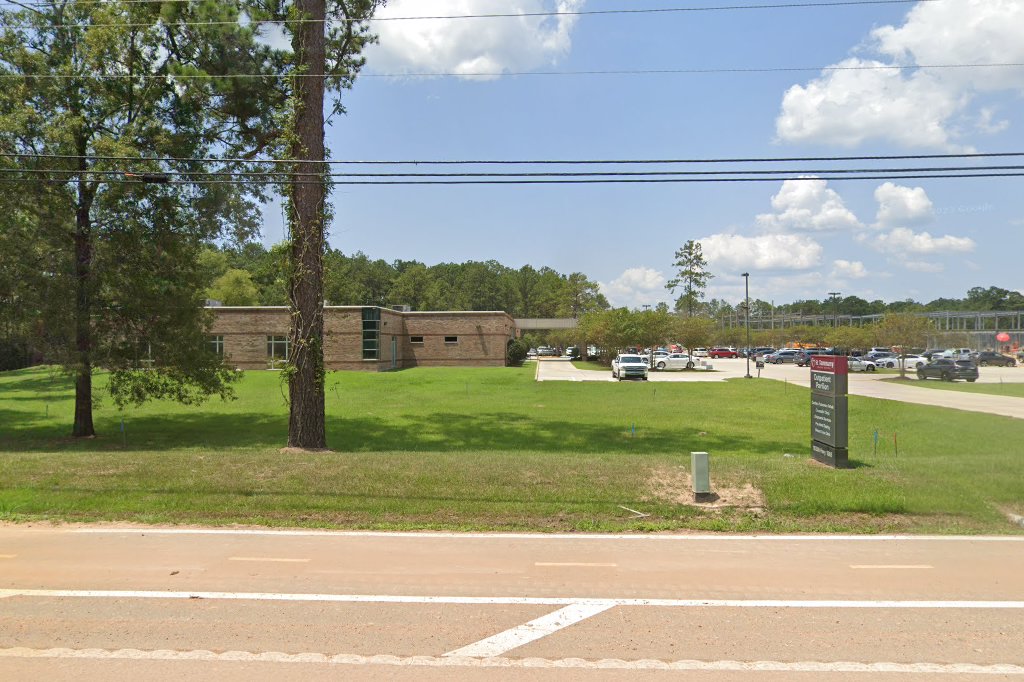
[829, 410]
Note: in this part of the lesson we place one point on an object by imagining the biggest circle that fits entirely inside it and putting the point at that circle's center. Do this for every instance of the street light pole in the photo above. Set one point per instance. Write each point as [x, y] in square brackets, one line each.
[746, 317]
[835, 310]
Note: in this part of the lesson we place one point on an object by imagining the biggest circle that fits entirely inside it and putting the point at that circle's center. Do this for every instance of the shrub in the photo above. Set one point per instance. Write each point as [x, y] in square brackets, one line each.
[516, 352]
[14, 354]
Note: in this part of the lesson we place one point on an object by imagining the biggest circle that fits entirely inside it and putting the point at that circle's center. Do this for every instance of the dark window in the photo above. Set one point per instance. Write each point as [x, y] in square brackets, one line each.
[371, 333]
[451, 339]
[216, 345]
[416, 339]
[277, 351]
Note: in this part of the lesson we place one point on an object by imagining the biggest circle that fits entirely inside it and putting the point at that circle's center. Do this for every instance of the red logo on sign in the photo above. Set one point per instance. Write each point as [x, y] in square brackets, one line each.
[833, 364]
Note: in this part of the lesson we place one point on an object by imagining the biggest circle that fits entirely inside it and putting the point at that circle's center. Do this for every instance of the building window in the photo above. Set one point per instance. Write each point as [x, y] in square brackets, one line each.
[216, 345]
[451, 339]
[278, 348]
[371, 333]
[418, 340]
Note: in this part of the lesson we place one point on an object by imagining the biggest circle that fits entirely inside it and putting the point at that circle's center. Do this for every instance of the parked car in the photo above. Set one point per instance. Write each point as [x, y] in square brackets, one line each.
[760, 352]
[958, 353]
[532, 353]
[990, 357]
[893, 362]
[547, 351]
[700, 352]
[674, 361]
[629, 366]
[931, 352]
[949, 369]
[877, 355]
[723, 353]
[785, 355]
[806, 354]
[859, 364]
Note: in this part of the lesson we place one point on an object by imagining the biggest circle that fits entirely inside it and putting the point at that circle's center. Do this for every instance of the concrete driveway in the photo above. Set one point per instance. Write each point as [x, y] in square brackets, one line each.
[868, 384]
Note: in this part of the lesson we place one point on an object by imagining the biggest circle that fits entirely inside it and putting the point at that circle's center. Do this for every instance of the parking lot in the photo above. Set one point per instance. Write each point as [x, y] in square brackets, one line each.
[868, 384]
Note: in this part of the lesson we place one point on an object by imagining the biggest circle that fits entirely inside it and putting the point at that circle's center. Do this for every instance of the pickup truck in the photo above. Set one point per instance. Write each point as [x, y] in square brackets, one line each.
[629, 366]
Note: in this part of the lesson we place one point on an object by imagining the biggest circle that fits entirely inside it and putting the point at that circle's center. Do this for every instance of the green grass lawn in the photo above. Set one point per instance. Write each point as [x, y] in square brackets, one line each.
[1015, 390]
[491, 449]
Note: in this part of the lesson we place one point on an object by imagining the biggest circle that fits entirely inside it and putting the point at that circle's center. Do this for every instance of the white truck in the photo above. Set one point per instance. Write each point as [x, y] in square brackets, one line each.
[629, 366]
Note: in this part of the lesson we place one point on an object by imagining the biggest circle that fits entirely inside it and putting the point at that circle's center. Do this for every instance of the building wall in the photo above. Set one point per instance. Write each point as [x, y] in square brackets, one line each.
[480, 337]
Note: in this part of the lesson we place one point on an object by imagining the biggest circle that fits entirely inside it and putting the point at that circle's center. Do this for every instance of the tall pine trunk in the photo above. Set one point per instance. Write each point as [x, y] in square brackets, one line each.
[83, 427]
[306, 427]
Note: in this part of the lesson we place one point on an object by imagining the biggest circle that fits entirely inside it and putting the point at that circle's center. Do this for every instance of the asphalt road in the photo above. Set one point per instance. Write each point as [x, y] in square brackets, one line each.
[84, 603]
[868, 384]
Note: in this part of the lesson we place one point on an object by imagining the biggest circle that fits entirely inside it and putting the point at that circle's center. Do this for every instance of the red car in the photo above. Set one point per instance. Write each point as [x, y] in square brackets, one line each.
[723, 353]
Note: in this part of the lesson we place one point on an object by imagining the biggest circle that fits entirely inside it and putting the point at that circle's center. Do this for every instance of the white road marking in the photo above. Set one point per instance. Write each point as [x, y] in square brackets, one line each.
[268, 559]
[574, 564]
[530, 601]
[891, 566]
[545, 536]
[503, 642]
[516, 663]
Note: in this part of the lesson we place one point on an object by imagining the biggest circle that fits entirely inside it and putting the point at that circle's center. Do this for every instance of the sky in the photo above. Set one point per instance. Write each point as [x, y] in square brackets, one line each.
[908, 238]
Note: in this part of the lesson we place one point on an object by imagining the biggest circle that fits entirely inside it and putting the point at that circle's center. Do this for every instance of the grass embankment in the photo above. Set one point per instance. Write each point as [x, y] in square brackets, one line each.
[1014, 390]
[492, 449]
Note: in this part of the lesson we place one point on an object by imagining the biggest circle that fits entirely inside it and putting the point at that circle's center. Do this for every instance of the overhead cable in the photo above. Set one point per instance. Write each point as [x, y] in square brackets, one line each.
[496, 15]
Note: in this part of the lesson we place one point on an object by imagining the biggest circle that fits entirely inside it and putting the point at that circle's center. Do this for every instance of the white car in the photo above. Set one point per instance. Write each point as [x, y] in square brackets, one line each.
[858, 364]
[912, 362]
[700, 352]
[673, 361]
[629, 366]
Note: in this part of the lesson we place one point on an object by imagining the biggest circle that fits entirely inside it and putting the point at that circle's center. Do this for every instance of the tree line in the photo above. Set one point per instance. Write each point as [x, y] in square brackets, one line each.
[250, 274]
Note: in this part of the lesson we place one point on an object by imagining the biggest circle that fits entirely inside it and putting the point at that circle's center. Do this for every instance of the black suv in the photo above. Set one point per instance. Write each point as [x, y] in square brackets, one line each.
[989, 357]
[948, 369]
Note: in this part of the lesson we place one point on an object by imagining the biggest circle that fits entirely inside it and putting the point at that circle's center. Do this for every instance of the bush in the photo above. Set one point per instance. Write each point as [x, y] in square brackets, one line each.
[516, 352]
[14, 354]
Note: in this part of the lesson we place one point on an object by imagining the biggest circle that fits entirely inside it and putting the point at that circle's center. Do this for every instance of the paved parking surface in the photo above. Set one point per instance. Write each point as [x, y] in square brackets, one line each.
[869, 384]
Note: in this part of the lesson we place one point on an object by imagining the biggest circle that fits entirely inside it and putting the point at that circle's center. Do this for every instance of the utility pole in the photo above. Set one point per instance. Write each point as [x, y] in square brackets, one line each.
[746, 317]
[835, 309]
[308, 196]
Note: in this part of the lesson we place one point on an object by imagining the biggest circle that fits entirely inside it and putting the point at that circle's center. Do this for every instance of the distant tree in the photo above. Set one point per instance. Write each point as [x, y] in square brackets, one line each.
[410, 287]
[904, 331]
[580, 295]
[844, 338]
[694, 332]
[692, 276]
[234, 287]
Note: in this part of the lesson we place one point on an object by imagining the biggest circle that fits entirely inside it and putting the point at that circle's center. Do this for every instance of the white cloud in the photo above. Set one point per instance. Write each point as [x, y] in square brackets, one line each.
[767, 252]
[898, 205]
[905, 241]
[922, 266]
[849, 269]
[636, 287]
[848, 107]
[470, 46]
[922, 108]
[807, 205]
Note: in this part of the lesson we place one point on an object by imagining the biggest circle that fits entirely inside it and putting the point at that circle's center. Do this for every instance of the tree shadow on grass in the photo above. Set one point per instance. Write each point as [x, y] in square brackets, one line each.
[505, 431]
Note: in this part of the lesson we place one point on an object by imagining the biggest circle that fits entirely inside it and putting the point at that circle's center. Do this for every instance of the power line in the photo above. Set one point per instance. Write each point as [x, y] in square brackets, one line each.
[520, 162]
[546, 174]
[506, 74]
[498, 15]
[558, 181]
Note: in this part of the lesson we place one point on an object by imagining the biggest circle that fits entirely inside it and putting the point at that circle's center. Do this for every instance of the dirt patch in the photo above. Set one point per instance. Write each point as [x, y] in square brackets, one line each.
[675, 486]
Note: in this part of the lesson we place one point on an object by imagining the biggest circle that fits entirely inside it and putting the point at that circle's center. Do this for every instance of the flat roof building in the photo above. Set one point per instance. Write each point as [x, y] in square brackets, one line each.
[368, 338]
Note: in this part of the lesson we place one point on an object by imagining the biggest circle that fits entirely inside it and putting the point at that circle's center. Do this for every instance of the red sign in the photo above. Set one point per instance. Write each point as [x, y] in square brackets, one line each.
[833, 364]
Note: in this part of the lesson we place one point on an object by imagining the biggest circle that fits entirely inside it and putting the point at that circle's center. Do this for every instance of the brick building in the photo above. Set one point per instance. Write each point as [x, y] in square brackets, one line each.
[366, 338]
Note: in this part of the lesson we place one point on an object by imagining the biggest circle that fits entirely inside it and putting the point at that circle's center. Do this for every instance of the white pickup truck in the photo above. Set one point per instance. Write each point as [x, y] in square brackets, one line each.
[627, 366]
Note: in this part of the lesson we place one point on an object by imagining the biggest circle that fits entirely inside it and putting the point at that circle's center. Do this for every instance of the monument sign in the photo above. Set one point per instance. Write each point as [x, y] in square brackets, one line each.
[829, 410]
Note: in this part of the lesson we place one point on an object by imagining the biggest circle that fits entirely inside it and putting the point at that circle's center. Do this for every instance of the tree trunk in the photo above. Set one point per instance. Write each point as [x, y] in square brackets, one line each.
[306, 427]
[83, 427]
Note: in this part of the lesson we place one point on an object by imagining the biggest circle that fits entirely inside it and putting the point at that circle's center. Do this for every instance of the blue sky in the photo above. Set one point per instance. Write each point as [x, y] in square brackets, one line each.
[908, 238]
